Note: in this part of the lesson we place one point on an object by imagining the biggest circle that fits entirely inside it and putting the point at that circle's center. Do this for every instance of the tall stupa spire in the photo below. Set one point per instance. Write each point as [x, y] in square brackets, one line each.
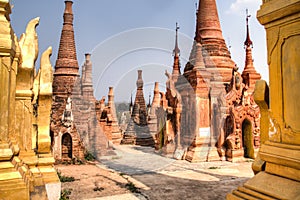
[67, 59]
[66, 68]
[139, 107]
[208, 23]
[249, 73]
[209, 32]
[248, 41]
[176, 53]
[209, 36]
[87, 82]
[248, 46]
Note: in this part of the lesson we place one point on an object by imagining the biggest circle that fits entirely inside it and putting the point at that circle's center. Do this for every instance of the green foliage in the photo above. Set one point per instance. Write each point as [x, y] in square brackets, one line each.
[78, 162]
[65, 194]
[73, 161]
[129, 185]
[98, 189]
[122, 174]
[89, 156]
[65, 179]
[132, 188]
[214, 167]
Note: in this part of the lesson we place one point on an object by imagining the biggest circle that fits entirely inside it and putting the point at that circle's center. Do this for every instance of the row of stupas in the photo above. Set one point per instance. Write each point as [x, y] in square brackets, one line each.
[79, 123]
[182, 118]
[208, 112]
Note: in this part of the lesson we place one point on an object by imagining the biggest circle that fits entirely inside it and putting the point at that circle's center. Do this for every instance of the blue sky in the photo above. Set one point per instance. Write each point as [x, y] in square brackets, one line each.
[126, 35]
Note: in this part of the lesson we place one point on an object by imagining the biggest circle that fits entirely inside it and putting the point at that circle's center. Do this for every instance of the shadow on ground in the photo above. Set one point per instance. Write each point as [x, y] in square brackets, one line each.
[182, 183]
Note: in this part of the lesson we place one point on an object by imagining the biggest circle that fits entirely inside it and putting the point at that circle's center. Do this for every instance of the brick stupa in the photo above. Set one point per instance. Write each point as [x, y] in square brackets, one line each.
[65, 137]
[137, 131]
[66, 68]
[197, 106]
[78, 126]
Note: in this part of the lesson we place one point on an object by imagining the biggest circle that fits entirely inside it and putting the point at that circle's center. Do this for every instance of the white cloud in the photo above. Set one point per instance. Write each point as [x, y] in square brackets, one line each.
[239, 6]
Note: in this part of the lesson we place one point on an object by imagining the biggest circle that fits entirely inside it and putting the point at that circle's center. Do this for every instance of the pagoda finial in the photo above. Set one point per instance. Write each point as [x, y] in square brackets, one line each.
[149, 101]
[67, 57]
[248, 44]
[249, 73]
[66, 67]
[176, 53]
[248, 41]
[131, 104]
[176, 50]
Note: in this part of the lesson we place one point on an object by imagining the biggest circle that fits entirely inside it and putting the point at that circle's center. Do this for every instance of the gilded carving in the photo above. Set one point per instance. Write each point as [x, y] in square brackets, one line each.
[27, 115]
[277, 164]
[290, 85]
[29, 44]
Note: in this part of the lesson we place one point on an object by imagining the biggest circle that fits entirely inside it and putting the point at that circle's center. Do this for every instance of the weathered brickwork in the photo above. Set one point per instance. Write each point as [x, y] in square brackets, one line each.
[77, 125]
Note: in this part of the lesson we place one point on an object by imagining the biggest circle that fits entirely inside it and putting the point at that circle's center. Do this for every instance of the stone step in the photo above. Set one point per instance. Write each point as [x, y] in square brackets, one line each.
[6, 167]
[9, 189]
[13, 183]
[145, 141]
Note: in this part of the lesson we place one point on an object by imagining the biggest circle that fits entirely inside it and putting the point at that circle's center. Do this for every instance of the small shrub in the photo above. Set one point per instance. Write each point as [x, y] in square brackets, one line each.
[214, 168]
[65, 194]
[98, 189]
[122, 174]
[65, 179]
[132, 188]
[89, 156]
[77, 161]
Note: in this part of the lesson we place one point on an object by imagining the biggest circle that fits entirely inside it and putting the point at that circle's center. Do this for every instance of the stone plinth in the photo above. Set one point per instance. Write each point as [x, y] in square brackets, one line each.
[278, 176]
[26, 163]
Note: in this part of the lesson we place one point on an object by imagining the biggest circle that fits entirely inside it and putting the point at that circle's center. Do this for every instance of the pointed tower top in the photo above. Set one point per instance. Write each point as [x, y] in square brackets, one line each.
[68, 8]
[156, 98]
[149, 101]
[248, 41]
[176, 53]
[111, 97]
[66, 62]
[111, 91]
[140, 82]
[248, 44]
[87, 70]
[131, 104]
[87, 56]
[209, 46]
[176, 50]
[139, 107]
[208, 23]
[249, 73]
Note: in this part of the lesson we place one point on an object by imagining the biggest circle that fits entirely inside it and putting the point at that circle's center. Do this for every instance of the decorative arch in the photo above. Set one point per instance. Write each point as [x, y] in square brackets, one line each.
[66, 147]
[52, 140]
[247, 138]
